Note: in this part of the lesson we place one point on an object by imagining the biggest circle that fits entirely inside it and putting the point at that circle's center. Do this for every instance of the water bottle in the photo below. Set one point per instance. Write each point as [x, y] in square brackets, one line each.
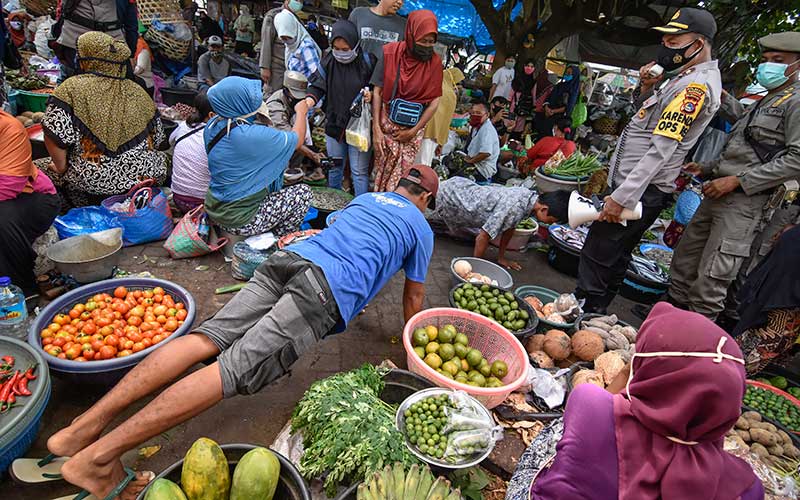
[202, 228]
[13, 312]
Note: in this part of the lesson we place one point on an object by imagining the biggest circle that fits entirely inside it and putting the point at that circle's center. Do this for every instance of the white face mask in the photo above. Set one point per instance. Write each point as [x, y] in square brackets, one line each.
[16, 25]
[718, 357]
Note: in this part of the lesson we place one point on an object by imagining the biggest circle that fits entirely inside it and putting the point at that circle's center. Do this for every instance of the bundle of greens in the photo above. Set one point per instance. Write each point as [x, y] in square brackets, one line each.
[348, 431]
[576, 165]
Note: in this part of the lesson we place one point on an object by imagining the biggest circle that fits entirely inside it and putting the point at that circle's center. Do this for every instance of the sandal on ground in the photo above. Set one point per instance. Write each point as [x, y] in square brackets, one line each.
[35, 470]
[117, 491]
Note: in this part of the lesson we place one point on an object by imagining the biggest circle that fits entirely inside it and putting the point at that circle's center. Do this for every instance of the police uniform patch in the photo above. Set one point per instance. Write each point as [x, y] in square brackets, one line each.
[680, 113]
[641, 113]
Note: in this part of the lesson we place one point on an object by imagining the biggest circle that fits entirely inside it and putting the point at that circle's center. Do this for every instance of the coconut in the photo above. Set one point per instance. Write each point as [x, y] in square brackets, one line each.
[534, 302]
[557, 345]
[588, 377]
[587, 345]
[609, 364]
[462, 268]
[541, 359]
[535, 343]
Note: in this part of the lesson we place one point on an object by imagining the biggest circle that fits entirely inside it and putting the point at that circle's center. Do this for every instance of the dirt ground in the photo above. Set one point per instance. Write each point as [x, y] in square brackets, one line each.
[372, 337]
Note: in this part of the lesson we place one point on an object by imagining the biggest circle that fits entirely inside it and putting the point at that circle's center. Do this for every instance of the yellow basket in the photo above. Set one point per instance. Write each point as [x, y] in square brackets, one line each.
[167, 11]
[177, 50]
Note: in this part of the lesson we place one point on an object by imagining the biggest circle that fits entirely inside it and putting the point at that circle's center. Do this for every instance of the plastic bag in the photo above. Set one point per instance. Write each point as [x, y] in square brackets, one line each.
[359, 128]
[464, 419]
[466, 444]
[547, 386]
[148, 216]
[84, 220]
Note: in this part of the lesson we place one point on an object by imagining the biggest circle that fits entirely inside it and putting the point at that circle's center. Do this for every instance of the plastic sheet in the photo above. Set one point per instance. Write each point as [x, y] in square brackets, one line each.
[85, 220]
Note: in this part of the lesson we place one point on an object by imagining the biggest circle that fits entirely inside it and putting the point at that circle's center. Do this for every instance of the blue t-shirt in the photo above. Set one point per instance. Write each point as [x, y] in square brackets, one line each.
[374, 237]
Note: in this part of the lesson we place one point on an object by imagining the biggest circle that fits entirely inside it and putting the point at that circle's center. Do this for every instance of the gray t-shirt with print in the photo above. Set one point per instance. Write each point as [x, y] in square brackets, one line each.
[375, 31]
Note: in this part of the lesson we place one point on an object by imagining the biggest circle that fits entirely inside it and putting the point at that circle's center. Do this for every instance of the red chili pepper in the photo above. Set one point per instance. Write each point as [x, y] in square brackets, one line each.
[6, 390]
[22, 387]
[9, 360]
[12, 398]
[29, 374]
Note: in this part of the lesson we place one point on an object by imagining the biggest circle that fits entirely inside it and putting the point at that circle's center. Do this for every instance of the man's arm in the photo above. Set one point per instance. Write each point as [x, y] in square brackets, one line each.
[203, 71]
[630, 191]
[413, 296]
[267, 37]
[783, 167]
[481, 244]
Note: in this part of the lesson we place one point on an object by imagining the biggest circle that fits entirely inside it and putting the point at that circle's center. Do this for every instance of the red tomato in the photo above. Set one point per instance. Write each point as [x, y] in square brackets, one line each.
[160, 310]
[148, 294]
[135, 336]
[112, 340]
[74, 351]
[59, 341]
[74, 313]
[145, 327]
[161, 319]
[107, 352]
[106, 331]
[120, 292]
[171, 325]
[134, 321]
[158, 291]
[129, 345]
[181, 315]
[158, 298]
[137, 311]
[79, 307]
[62, 356]
[180, 305]
[147, 342]
[147, 301]
[47, 341]
[124, 353]
[46, 334]
[97, 345]
[86, 315]
[89, 328]
[157, 338]
[138, 346]
[137, 294]
[61, 319]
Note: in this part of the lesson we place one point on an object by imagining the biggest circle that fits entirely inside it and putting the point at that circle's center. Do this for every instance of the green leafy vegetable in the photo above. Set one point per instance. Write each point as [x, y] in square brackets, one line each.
[470, 481]
[576, 165]
[348, 431]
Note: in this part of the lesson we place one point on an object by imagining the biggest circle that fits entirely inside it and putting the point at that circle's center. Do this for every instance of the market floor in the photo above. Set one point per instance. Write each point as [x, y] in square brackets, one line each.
[372, 337]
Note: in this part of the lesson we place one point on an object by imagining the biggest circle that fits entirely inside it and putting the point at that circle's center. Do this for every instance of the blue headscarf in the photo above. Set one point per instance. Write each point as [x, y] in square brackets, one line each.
[250, 157]
[570, 88]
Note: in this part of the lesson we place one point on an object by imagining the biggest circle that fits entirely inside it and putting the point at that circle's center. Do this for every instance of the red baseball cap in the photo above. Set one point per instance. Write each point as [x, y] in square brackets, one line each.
[426, 178]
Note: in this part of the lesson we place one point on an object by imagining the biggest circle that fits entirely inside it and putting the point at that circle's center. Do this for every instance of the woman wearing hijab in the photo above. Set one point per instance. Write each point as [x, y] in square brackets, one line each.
[546, 147]
[438, 129]
[411, 71]
[244, 26]
[561, 101]
[16, 27]
[247, 160]
[522, 98]
[770, 306]
[302, 53]
[101, 129]
[347, 70]
[661, 436]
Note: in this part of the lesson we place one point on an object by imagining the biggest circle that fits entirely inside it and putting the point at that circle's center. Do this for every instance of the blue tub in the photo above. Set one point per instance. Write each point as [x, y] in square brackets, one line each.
[109, 371]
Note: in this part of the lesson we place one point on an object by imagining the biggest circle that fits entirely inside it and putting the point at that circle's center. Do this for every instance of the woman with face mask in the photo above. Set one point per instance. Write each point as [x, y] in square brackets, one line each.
[546, 147]
[562, 99]
[409, 74]
[16, 23]
[345, 72]
[522, 98]
[302, 53]
[244, 27]
[656, 431]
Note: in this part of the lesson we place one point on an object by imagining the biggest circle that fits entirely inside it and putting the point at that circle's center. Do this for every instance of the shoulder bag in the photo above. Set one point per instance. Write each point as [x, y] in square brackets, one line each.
[402, 112]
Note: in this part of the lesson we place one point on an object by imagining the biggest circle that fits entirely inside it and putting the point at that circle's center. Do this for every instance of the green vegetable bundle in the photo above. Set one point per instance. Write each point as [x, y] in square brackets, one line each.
[348, 431]
[526, 224]
[773, 406]
[577, 165]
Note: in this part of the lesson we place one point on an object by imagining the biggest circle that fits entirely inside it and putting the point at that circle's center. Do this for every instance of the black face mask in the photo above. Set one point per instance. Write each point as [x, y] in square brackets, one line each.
[422, 53]
[672, 59]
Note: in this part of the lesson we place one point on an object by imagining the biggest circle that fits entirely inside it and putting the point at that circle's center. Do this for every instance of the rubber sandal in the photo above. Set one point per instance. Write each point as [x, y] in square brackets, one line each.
[34, 470]
[85, 495]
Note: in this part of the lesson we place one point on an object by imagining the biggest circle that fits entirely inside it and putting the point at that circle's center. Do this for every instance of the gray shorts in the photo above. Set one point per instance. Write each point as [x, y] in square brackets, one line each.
[285, 308]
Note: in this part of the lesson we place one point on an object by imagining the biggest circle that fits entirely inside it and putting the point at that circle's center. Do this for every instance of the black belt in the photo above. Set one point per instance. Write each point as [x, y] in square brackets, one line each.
[94, 25]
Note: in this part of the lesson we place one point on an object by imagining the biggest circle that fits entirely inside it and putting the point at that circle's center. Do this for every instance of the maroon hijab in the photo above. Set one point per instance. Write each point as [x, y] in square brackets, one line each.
[420, 81]
[691, 399]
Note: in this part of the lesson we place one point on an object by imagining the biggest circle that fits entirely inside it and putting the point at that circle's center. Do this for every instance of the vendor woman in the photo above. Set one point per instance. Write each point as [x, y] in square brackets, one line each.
[28, 204]
[661, 436]
[294, 300]
[496, 210]
[247, 160]
[101, 129]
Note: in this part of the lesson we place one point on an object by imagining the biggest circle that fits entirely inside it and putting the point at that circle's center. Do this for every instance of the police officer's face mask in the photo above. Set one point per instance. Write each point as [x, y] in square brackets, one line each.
[671, 59]
[772, 75]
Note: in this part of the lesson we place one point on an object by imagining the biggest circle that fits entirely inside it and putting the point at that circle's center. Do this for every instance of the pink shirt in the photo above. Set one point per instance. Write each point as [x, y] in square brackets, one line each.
[12, 185]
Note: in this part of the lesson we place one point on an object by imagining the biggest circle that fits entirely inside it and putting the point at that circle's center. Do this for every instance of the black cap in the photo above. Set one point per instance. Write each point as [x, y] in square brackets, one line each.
[689, 20]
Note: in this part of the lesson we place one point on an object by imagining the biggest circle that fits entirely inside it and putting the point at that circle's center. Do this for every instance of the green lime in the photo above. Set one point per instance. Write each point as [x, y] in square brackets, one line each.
[462, 339]
[433, 360]
[461, 350]
[493, 382]
[485, 368]
[446, 335]
[474, 357]
[462, 380]
[478, 379]
[420, 352]
[450, 367]
[499, 369]
[446, 351]
[462, 373]
[420, 337]
[432, 347]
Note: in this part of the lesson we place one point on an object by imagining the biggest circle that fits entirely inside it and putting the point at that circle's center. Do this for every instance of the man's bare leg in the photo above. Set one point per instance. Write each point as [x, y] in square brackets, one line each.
[98, 469]
[155, 371]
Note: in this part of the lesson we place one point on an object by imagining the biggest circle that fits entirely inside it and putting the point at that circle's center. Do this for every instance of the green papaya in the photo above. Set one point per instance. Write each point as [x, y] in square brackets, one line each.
[205, 474]
[779, 382]
[256, 476]
[164, 489]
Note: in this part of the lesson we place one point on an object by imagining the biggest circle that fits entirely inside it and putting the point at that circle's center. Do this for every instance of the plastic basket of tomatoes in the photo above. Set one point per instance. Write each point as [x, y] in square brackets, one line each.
[96, 333]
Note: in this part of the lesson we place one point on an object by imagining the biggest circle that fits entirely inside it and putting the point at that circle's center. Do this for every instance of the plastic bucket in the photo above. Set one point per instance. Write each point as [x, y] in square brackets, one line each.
[545, 295]
[108, 371]
[518, 242]
[400, 384]
[640, 289]
[484, 267]
[533, 319]
[291, 485]
[494, 341]
[31, 101]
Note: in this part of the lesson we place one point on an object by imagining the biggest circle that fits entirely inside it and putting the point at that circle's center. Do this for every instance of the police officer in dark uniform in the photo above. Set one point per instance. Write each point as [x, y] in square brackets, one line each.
[676, 106]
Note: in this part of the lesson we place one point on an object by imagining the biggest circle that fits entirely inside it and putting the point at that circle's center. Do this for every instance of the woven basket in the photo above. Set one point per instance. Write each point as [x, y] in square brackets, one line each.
[167, 11]
[38, 8]
[177, 50]
[605, 125]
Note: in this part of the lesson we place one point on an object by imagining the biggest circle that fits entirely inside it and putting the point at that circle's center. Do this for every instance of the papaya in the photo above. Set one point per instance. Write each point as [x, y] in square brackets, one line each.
[256, 476]
[164, 489]
[205, 474]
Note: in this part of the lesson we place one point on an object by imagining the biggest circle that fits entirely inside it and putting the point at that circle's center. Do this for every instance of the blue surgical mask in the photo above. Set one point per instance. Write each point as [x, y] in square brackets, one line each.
[312, 25]
[772, 75]
[567, 78]
[295, 5]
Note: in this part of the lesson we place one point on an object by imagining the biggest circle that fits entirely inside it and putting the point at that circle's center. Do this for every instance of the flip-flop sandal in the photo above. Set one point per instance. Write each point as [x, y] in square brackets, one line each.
[85, 495]
[34, 470]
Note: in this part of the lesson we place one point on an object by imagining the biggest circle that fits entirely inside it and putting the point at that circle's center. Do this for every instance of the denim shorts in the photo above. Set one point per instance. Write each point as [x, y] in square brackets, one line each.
[278, 316]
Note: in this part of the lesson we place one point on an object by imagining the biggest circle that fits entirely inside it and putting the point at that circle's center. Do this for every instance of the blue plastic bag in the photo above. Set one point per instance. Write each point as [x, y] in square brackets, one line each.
[84, 220]
[150, 222]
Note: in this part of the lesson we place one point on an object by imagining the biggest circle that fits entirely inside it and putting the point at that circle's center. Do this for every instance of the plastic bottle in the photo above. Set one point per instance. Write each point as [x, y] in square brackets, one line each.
[13, 312]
